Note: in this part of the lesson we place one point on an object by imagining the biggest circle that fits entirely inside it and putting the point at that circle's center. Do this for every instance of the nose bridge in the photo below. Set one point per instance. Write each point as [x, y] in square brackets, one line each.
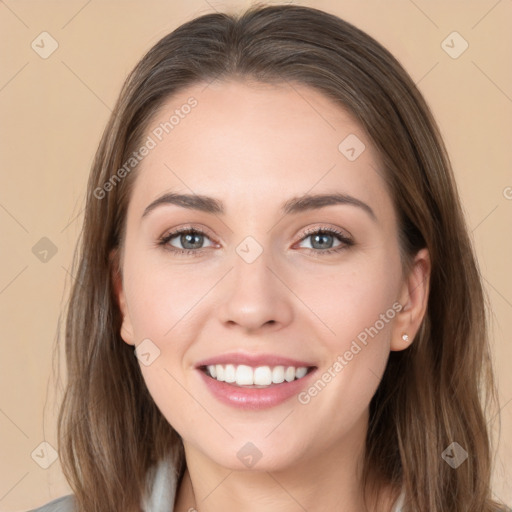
[255, 296]
[252, 264]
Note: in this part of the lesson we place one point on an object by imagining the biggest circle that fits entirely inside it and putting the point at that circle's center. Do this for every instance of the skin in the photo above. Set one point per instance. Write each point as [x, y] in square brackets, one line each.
[269, 143]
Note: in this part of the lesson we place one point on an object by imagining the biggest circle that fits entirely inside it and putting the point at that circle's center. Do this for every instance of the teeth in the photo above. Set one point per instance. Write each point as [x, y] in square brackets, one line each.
[229, 373]
[301, 372]
[243, 375]
[278, 374]
[219, 370]
[263, 376]
[289, 374]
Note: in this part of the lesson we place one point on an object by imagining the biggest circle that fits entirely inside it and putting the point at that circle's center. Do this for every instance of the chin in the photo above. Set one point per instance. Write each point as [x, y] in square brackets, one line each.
[252, 453]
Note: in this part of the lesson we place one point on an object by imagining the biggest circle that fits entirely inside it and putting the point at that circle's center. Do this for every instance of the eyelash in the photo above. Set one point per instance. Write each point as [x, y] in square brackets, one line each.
[346, 241]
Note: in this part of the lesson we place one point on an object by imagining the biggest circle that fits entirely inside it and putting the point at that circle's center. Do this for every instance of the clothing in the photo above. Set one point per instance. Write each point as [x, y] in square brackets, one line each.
[161, 498]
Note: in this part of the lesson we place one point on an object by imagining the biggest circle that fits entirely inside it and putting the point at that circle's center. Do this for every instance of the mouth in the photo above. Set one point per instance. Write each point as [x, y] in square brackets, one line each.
[258, 377]
[254, 381]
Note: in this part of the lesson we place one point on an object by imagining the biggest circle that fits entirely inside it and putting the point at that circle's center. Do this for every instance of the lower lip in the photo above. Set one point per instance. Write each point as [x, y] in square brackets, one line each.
[255, 398]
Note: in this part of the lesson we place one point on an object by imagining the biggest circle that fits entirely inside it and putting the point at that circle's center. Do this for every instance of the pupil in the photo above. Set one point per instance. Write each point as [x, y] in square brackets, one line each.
[321, 237]
[188, 238]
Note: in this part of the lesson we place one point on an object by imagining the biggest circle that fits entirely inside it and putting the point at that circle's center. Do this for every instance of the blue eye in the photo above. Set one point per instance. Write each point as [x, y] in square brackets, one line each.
[192, 240]
[322, 241]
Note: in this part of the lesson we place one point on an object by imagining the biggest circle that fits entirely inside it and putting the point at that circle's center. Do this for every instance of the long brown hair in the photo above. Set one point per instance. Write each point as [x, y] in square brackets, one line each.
[432, 394]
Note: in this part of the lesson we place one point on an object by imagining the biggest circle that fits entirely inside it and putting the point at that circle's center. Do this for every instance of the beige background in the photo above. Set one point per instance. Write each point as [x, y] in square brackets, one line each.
[53, 112]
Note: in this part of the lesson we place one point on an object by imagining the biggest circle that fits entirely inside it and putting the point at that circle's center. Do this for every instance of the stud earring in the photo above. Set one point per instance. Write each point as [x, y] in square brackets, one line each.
[405, 337]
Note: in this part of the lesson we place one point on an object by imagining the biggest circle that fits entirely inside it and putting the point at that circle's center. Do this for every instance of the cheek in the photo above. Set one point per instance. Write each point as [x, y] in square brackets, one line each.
[357, 306]
[162, 298]
[171, 393]
[352, 301]
[164, 307]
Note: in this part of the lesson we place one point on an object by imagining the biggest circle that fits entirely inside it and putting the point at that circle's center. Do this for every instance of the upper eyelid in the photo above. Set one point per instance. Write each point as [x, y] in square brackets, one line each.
[330, 229]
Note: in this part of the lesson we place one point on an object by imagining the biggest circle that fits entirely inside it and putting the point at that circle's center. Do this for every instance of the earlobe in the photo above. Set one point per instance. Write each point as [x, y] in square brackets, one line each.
[414, 299]
[126, 331]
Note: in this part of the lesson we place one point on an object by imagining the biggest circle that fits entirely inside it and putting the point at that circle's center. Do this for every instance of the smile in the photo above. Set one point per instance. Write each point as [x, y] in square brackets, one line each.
[255, 377]
[254, 381]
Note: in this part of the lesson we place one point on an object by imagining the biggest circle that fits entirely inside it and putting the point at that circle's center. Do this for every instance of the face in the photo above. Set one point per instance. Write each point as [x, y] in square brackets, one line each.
[250, 278]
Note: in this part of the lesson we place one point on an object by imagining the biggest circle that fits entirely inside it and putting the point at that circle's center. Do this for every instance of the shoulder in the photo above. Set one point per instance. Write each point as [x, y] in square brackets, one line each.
[64, 504]
[163, 477]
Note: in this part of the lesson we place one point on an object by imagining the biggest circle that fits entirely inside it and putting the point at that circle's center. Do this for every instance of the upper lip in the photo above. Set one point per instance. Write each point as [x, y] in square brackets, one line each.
[254, 360]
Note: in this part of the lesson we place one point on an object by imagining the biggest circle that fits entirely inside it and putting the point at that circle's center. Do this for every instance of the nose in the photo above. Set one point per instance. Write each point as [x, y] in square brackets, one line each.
[255, 296]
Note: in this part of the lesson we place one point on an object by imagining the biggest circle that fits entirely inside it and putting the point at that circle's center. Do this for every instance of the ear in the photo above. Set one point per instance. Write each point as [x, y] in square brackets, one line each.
[414, 299]
[117, 284]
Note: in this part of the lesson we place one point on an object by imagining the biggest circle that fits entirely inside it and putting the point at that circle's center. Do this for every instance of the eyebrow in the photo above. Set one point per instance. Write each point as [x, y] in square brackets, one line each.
[292, 206]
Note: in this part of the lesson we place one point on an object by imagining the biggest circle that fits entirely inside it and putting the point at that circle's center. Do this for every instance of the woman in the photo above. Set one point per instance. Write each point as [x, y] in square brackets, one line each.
[273, 229]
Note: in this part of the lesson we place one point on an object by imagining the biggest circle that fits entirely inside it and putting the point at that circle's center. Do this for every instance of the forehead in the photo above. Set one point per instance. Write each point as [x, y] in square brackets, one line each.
[256, 144]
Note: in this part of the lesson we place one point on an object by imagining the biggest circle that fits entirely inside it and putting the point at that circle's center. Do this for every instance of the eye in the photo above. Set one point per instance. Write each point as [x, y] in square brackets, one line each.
[190, 240]
[323, 240]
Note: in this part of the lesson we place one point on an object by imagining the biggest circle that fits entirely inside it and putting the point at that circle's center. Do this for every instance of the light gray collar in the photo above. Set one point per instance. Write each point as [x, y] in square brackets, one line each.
[163, 491]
